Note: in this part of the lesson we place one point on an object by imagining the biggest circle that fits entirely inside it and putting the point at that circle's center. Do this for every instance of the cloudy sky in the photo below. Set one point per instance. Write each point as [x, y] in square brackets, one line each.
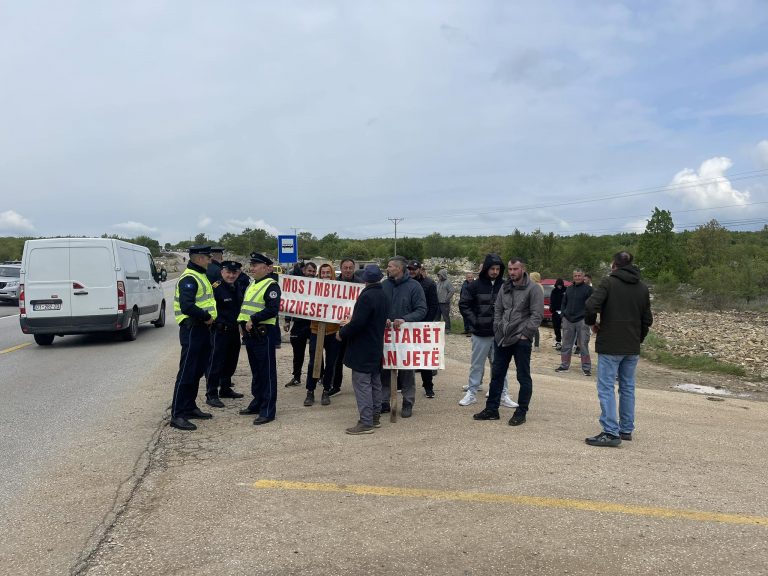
[170, 118]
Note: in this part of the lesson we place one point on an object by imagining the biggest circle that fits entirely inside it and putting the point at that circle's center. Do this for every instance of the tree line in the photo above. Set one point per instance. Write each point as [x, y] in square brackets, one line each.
[719, 264]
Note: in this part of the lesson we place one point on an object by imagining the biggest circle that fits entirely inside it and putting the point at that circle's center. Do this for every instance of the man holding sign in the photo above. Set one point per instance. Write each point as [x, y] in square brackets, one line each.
[405, 303]
[364, 337]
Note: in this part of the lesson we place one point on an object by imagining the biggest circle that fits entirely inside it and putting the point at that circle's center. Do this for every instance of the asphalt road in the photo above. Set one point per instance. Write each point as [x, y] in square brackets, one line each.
[93, 479]
[75, 419]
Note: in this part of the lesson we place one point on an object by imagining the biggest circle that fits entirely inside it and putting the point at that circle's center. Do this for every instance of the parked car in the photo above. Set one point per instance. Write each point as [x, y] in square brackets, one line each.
[548, 284]
[82, 285]
[10, 272]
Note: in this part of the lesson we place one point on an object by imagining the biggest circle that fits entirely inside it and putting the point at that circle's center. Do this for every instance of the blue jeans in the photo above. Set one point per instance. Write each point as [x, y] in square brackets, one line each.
[609, 366]
[503, 355]
[482, 349]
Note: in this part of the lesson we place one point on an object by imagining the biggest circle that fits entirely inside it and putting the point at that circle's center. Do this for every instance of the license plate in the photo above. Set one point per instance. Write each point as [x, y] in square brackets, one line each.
[46, 307]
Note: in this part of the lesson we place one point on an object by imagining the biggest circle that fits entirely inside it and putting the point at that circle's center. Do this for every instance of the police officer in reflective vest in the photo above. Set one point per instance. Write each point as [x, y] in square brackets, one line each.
[195, 310]
[225, 335]
[257, 319]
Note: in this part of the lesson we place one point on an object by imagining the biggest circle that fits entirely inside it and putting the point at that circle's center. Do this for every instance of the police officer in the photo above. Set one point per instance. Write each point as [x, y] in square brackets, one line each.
[195, 310]
[257, 319]
[225, 336]
[214, 268]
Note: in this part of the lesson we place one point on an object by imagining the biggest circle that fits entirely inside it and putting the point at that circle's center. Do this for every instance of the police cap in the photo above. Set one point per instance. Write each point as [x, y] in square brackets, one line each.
[231, 265]
[205, 250]
[257, 258]
[217, 249]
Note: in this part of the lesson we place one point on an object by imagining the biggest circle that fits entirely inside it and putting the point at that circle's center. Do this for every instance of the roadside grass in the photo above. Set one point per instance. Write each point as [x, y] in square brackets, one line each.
[655, 348]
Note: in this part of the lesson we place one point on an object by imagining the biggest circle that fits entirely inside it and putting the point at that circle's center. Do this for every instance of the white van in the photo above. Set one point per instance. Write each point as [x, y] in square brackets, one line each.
[81, 285]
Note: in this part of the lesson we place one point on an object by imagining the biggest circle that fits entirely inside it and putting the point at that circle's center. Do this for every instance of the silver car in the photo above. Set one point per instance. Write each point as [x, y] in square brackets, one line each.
[9, 282]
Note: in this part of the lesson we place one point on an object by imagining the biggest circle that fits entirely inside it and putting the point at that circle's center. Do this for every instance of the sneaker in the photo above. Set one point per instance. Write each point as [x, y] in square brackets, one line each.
[385, 407]
[293, 382]
[429, 392]
[466, 387]
[625, 435]
[468, 399]
[517, 419]
[558, 346]
[507, 402]
[587, 372]
[334, 391]
[360, 428]
[377, 420]
[325, 399]
[487, 414]
[406, 411]
[603, 439]
[310, 399]
[561, 369]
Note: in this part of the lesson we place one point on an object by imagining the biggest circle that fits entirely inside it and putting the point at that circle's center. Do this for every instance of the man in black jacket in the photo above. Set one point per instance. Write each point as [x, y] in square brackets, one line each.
[364, 334]
[556, 309]
[225, 335]
[574, 329]
[624, 305]
[476, 306]
[346, 274]
[416, 270]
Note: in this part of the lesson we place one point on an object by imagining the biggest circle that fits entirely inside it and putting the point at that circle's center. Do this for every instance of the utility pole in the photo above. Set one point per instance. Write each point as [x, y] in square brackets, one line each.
[395, 221]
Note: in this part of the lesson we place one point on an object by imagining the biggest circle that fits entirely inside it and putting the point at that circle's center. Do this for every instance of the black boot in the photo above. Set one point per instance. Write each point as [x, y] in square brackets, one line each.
[310, 399]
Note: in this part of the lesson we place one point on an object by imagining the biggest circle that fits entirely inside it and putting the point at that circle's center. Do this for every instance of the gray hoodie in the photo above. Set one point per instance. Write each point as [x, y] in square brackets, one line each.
[445, 289]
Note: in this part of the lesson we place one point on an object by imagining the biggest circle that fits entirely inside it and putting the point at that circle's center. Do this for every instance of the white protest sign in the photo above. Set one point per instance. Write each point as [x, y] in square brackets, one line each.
[415, 346]
[316, 299]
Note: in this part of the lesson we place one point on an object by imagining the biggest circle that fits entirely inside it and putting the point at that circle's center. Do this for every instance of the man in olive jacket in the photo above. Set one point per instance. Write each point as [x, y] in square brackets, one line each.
[624, 307]
[364, 335]
[517, 314]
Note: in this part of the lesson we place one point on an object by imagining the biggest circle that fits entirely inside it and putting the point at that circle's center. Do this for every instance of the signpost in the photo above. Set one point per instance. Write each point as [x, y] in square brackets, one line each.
[287, 249]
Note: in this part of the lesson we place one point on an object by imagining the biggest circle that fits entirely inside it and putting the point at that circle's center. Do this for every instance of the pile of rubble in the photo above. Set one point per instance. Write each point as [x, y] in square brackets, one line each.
[735, 337]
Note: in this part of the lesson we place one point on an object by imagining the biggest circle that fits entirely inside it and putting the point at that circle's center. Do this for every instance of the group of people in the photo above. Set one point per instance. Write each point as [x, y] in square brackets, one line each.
[502, 314]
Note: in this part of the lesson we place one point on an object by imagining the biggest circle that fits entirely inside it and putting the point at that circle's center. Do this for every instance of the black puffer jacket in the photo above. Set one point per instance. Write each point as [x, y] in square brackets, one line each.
[476, 302]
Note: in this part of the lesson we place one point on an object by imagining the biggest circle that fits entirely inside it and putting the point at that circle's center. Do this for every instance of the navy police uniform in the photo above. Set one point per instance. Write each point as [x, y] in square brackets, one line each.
[214, 268]
[261, 305]
[194, 308]
[225, 338]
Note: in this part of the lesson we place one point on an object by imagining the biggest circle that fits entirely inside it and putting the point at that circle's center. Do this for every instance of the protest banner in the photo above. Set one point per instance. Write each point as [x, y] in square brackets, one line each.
[415, 346]
[316, 299]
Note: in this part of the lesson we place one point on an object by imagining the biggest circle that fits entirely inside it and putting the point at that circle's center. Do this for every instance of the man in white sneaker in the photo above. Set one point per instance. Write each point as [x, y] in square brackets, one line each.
[476, 306]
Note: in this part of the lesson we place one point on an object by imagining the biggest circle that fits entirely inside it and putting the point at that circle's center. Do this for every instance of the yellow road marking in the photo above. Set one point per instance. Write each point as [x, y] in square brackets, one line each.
[14, 348]
[538, 501]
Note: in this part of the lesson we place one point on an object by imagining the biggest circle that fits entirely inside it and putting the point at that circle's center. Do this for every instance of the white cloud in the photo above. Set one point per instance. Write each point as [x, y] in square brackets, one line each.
[636, 225]
[11, 222]
[135, 227]
[762, 153]
[240, 225]
[204, 222]
[708, 187]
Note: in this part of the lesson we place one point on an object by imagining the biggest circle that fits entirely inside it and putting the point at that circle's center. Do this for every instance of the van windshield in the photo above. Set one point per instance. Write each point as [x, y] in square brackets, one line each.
[10, 271]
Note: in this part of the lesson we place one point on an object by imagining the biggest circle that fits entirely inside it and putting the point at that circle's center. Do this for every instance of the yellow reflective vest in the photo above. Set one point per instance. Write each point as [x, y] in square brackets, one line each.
[203, 299]
[254, 301]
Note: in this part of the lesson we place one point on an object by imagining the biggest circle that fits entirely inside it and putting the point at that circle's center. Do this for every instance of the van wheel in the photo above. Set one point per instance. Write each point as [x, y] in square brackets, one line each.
[44, 339]
[160, 322]
[130, 333]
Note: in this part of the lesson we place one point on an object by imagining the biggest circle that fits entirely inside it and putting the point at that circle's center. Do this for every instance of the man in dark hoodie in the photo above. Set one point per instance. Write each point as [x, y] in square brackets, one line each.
[517, 314]
[405, 303]
[574, 329]
[476, 306]
[364, 334]
[556, 308]
[624, 306]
